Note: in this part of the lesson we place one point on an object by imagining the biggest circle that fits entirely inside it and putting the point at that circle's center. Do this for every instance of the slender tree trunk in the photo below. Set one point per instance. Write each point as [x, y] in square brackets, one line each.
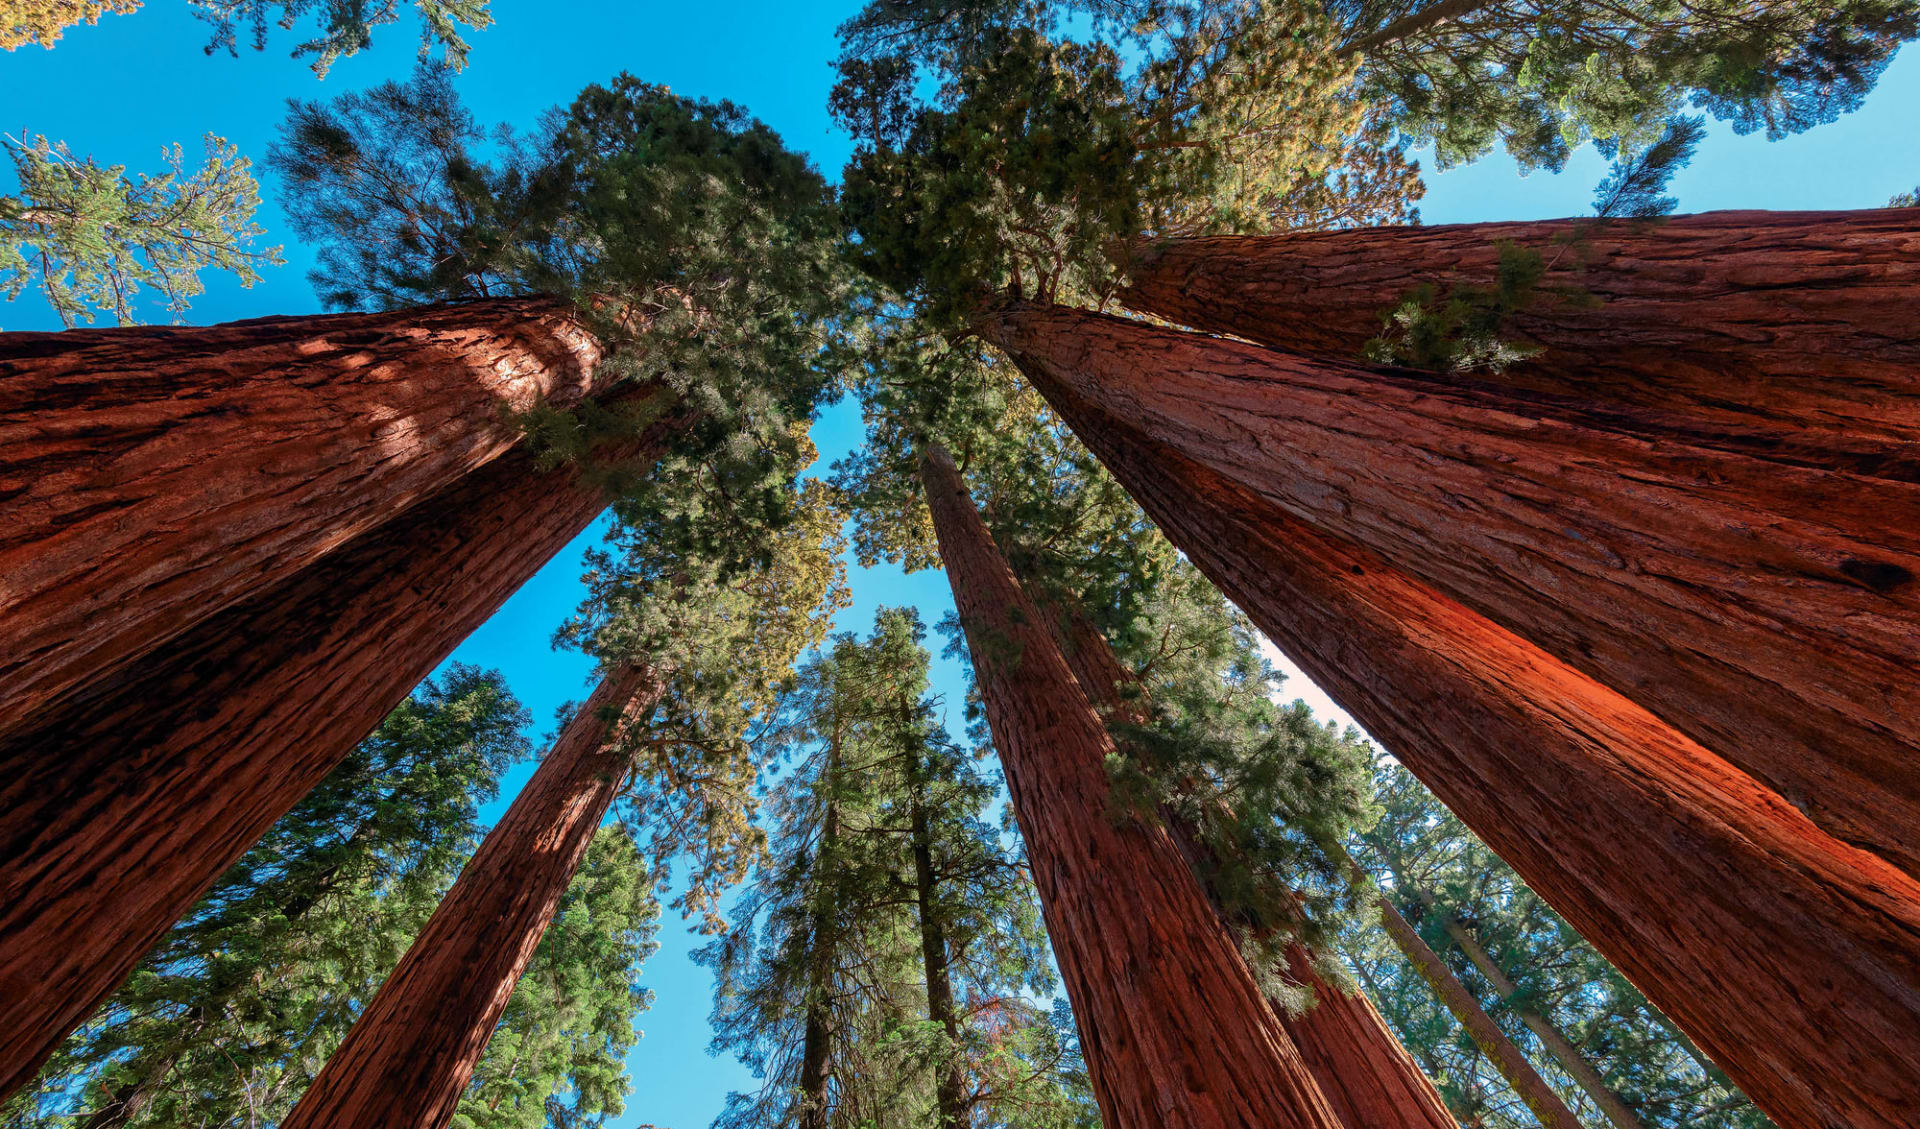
[1788, 336]
[123, 801]
[1362, 1068]
[1506, 1057]
[816, 1038]
[1552, 1039]
[411, 1053]
[152, 476]
[1413, 23]
[1174, 1030]
[1792, 958]
[950, 1087]
[1771, 613]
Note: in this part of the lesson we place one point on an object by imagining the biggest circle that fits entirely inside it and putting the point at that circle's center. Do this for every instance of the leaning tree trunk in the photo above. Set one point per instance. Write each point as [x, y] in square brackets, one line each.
[1771, 613]
[411, 1053]
[152, 476]
[1792, 958]
[1413, 23]
[1174, 1029]
[1792, 336]
[1501, 1051]
[1362, 1067]
[816, 1033]
[121, 802]
[1552, 1039]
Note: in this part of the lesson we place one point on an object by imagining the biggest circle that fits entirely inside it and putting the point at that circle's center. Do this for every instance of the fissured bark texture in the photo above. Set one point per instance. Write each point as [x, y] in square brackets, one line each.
[1790, 957]
[1770, 612]
[1363, 1070]
[1175, 1032]
[411, 1054]
[121, 802]
[151, 476]
[1790, 335]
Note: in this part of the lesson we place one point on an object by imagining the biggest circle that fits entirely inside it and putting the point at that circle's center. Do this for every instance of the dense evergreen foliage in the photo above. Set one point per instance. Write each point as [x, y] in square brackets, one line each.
[24, 22]
[887, 966]
[234, 1013]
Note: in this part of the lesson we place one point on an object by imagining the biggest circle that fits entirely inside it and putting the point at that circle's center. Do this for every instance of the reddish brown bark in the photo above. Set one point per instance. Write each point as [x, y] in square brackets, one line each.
[151, 476]
[1174, 1030]
[122, 801]
[1770, 612]
[1789, 335]
[1362, 1068]
[410, 1055]
[1791, 958]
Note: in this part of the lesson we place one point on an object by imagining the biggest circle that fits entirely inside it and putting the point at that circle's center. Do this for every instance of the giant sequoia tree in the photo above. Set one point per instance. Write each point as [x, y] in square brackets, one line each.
[681, 227]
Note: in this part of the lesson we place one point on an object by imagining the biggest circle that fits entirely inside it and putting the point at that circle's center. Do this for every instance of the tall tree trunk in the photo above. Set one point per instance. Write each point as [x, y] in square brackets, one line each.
[816, 1036]
[1790, 336]
[124, 800]
[411, 1053]
[1174, 1030]
[1771, 613]
[152, 476]
[1792, 958]
[950, 1085]
[1552, 1039]
[1414, 22]
[1362, 1068]
[1506, 1057]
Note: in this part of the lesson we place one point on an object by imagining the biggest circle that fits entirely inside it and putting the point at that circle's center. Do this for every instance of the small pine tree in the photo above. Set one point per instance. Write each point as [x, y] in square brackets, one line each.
[89, 237]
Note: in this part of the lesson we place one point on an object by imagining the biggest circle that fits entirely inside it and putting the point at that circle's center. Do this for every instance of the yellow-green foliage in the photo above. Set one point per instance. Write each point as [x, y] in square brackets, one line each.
[41, 21]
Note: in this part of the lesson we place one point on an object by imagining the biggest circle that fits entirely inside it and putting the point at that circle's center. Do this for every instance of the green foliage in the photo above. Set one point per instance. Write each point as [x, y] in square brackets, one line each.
[346, 26]
[1466, 327]
[1636, 186]
[1041, 159]
[1430, 866]
[1543, 76]
[1463, 329]
[89, 236]
[232, 1015]
[41, 21]
[702, 251]
[827, 949]
[1905, 200]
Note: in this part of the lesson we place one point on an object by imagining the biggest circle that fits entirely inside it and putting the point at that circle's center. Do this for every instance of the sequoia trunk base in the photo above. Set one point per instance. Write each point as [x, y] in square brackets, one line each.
[1791, 958]
[1771, 613]
[121, 803]
[152, 476]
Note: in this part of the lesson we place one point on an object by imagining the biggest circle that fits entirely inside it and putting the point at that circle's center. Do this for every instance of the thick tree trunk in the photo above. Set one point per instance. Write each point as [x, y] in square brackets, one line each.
[1174, 1030]
[950, 1086]
[1362, 1068]
[1771, 613]
[1506, 1057]
[1790, 957]
[1790, 336]
[121, 802]
[152, 476]
[411, 1053]
[1552, 1039]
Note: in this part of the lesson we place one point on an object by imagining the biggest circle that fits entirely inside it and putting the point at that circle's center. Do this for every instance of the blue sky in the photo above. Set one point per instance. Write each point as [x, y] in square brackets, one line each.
[120, 90]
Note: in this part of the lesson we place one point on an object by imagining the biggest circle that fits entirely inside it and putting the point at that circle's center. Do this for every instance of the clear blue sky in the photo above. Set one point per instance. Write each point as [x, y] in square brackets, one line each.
[120, 90]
